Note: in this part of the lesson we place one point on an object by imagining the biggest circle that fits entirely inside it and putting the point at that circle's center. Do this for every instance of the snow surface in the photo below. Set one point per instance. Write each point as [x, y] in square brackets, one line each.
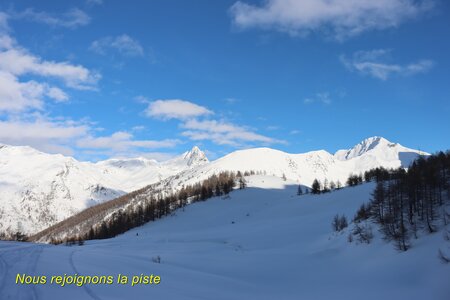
[264, 242]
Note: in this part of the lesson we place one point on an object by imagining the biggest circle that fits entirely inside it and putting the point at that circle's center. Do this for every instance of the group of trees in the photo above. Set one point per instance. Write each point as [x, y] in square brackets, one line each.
[318, 187]
[156, 206]
[339, 223]
[16, 235]
[404, 202]
[378, 174]
[354, 180]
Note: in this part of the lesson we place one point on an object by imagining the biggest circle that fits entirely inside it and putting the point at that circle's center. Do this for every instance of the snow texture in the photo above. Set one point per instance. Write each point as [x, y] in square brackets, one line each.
[264, 242]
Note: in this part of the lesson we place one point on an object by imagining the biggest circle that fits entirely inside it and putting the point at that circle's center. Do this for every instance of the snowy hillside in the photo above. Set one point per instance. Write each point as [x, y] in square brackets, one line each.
[264, 242]
[39, 190]
[304, 168]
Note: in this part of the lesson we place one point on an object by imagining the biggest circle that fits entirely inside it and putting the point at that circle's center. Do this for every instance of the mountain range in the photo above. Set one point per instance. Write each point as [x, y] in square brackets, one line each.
[40, 189]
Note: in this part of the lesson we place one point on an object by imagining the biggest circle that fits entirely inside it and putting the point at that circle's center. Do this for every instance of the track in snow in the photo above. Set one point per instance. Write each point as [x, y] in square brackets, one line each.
[86, 288]
[20, 256]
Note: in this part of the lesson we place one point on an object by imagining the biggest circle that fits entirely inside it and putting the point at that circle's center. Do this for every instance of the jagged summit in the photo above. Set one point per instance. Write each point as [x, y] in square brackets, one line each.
[195, 157]
[362, 147]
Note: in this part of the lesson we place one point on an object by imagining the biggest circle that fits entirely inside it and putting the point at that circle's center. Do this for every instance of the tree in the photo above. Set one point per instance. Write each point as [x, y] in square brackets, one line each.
[332, 185]
[352, 180]
[339, 222]
[315, 188]
[325, 189]
[242, 183]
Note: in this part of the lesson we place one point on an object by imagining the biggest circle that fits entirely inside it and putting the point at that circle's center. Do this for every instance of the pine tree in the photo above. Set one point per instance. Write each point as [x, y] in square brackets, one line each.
[315, 188]
[332, 185]
[299, 190]
[242, 183]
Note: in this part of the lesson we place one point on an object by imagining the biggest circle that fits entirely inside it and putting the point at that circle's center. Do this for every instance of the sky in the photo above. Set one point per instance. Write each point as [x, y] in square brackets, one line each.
[96, 79]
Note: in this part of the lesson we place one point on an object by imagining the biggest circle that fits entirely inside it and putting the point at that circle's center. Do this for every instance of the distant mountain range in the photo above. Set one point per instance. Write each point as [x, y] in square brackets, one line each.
[38, 189]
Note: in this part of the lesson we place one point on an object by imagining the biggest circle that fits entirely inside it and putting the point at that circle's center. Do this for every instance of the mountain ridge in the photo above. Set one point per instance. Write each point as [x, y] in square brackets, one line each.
[40, 189]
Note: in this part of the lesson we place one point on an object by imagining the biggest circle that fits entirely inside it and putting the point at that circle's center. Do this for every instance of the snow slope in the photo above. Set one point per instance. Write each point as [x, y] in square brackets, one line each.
[263, 242]
[304, 168]
[39, 190]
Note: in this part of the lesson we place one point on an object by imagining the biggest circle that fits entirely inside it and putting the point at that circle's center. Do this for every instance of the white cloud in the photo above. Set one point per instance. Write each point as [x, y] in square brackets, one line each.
[219, 132]
[43, 134]
[375, 63]
[73, 18]
[16, 96]
[223, 133]
[57, 94]
[175, 109]
[339, 18]
[123, 44]
[16, 62]
[121, 141]
[23, 92]
[323, 98]
[59, 135]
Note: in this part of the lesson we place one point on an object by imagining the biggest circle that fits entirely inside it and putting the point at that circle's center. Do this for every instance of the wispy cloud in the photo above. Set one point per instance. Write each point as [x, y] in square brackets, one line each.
[142, 99]
[123, 44]
[94, 2]
[223, 133]
[121, 141]
[231, 100]
[24, 92]
[175, 109]
[376, 63]
[23, 75]
[197, 125]
[57, 94]
[42, 133]
[72, 19]
[18, 61]
[339, 18]
[60, 135]
[323, 98]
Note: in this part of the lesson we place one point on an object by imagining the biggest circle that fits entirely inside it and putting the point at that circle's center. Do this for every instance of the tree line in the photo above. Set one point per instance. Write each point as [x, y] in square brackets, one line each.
[406, 201]
[156, 206]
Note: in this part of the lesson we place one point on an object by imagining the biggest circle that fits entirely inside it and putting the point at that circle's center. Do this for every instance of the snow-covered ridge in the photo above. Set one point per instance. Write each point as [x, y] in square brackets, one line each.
[38, 190]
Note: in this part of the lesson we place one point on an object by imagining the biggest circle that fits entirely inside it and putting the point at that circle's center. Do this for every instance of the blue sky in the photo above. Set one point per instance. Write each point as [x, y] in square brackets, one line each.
[98, 79]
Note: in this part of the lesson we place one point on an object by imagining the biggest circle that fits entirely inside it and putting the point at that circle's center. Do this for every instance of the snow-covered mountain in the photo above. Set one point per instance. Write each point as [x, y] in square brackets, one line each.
[38, 190]
[304, 168]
